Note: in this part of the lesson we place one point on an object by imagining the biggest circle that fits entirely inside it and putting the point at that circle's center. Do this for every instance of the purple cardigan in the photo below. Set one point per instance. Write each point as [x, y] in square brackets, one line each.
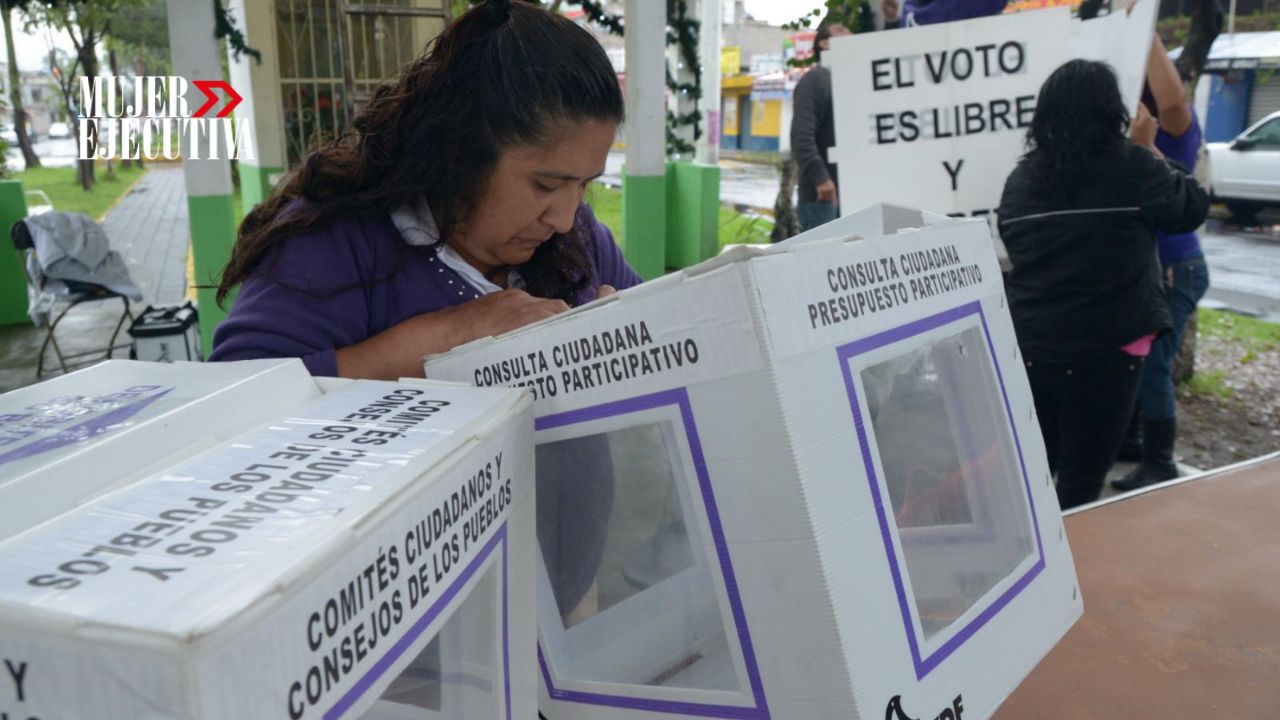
[335, 286]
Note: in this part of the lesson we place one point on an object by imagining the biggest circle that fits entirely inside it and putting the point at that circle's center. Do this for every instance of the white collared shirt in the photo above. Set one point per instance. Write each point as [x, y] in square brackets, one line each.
[417, 226]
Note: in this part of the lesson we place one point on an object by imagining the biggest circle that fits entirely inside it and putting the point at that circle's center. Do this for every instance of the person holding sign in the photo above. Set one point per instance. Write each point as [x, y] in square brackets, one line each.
[911, 13]
[1186, 278]
[451, 211]
[1079, 216]
[813, 132]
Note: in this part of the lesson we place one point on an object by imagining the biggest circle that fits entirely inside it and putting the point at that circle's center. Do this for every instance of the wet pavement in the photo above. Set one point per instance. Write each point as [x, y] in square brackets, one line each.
[149, 229]
[1244, 266]
[53, 152]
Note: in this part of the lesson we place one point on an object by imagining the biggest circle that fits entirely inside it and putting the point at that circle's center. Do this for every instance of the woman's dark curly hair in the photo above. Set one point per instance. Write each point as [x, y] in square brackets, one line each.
[503, 74]
[1079, 118]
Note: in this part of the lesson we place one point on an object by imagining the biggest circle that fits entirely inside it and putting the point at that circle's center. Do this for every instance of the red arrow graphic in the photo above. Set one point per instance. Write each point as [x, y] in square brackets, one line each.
[207, 87]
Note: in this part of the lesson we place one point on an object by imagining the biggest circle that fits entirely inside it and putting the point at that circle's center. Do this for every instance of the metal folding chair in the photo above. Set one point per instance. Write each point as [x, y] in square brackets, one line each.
[81, 292]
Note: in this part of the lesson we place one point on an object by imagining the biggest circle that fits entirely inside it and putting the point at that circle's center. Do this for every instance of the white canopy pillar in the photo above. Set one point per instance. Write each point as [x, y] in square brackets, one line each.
[709, 51]
[644, 190]
[197, 55]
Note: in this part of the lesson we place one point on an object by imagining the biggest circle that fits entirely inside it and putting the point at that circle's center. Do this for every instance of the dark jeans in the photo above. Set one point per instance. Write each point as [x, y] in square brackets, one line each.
[813, 214]
[1084, 408]
[1186, 283]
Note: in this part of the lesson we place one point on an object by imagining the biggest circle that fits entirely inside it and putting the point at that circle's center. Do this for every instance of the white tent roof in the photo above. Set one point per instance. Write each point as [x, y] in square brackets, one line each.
[1242, 51]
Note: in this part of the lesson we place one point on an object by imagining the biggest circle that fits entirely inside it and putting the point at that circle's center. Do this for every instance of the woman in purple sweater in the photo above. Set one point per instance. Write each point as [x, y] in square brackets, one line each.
[451, 211]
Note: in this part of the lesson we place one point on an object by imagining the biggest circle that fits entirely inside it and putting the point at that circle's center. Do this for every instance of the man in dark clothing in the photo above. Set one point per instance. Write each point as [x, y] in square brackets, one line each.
[812, 135]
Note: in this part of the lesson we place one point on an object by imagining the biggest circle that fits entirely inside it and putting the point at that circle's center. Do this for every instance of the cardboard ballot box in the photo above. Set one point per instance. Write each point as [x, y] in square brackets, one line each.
[366, 554]
[805, 482]
[67, 439]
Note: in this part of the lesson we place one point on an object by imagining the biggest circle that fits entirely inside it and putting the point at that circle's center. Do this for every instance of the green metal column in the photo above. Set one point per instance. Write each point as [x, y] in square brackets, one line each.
[693, 213]
[213, 233]
[644, 223]
[13, 282]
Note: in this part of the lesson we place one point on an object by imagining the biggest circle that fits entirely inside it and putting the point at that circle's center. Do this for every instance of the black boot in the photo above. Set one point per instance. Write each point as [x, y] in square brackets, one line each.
[1131, 447]
[1157, 456]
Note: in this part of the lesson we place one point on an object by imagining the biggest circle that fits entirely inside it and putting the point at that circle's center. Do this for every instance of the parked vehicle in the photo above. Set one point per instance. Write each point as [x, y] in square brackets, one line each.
[59, 130]
[8, 134]
[1245, 173]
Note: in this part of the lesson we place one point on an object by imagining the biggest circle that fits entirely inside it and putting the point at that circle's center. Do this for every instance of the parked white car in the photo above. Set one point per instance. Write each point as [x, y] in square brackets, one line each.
[1245, 173]
[59, 130]
[8, 134]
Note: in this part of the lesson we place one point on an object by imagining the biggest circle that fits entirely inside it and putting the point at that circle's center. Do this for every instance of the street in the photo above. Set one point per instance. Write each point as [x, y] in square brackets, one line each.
[1244, 267]
[56, 152]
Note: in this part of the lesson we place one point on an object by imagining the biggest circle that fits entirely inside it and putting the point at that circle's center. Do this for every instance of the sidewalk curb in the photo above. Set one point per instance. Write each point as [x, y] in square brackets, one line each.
[1157, 487]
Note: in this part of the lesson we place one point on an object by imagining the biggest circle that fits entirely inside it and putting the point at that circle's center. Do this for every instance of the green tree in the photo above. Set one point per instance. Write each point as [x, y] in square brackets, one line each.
[857, 16]
[85, 23]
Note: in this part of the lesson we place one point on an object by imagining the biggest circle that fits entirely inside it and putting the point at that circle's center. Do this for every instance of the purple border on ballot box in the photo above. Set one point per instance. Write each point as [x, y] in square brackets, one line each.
[420, 626]
[925, 665]
[760, 710]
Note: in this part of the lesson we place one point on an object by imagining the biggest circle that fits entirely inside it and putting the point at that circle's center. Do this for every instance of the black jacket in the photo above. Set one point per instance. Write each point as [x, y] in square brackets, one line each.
[1085, 277]
[813, 132]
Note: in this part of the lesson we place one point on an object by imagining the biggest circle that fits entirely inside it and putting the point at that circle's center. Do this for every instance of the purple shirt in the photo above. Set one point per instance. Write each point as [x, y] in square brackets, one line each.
[928, 12]
[338, 285]
[1179, 246]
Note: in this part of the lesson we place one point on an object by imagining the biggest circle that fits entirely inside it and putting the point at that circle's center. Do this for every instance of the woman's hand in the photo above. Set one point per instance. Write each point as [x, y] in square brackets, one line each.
[499, 312]
[1142, 131]
[398, 351]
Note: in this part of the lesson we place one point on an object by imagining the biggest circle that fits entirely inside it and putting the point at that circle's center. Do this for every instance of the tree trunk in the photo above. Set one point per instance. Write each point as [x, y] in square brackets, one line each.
[15, 96]
[140, 69]
[89, 65]
[785, 224]
[125, 162]
[1206, 23]
[1184, 364]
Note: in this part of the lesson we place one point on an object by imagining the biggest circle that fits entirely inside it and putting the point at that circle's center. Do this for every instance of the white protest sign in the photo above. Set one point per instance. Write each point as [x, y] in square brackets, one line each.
[936, 116]
[1123, 40]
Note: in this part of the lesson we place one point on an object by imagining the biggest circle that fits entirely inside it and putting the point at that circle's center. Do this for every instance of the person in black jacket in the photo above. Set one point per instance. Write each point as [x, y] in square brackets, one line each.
[1079, 215]
[813, 132]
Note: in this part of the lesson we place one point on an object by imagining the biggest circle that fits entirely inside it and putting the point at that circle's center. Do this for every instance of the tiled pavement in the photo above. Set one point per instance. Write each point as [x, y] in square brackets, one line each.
[149, 229]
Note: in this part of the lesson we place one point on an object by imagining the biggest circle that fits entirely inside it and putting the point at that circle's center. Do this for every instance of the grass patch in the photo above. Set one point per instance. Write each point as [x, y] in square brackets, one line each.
[734, 227]
[1208, 384]
[67, 195]
[1254, 334]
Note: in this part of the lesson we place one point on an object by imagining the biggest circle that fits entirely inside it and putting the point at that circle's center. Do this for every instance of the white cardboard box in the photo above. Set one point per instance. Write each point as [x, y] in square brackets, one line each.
[364, 554]
[70, 438]
[815, 479]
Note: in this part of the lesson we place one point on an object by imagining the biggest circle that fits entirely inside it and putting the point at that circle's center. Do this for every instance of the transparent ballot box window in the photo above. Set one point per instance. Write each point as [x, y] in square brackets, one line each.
[944, 462]
[459, 675]
[624, 538]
